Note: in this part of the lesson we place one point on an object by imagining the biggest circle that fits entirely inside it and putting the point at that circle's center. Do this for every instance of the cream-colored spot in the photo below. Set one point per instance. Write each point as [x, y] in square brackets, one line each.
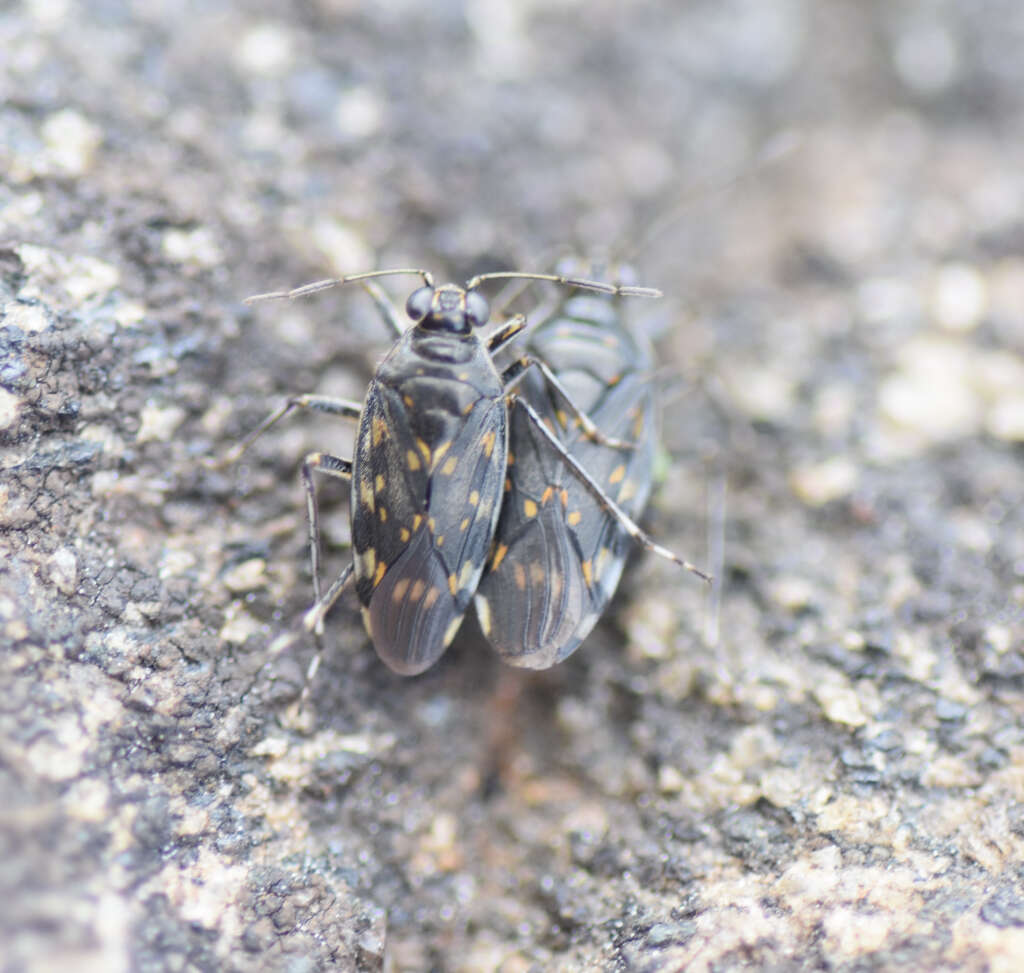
[431, 524]
[417, 589]
[367, 623]
[449, 466]
[412, 460]
[555, 584]
[617, 474]
[432, 595]
[474, 498]
[439, 540]
[366, 495]
[488, 441]
[367, 561]
[464, 524]
[626, 492]
[424, 449]
[401, 587]
[483, 613]
[453, 627]
[574, 518]
[537, 573]
[382, 512]
[379, 430]
[467, 574]
[378, 483]
[529, 508]
[520, 575]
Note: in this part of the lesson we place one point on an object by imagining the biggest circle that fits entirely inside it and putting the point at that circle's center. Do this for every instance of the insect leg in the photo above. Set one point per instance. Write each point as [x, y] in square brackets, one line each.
[505, 333]
[331, 466]
[634, 530]
[345, 408]
[513, 375]
[313, 620]
[388, 311]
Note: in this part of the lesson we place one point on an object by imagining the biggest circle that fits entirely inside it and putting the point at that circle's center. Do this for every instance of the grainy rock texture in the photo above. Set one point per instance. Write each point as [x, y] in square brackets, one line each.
[817, 764]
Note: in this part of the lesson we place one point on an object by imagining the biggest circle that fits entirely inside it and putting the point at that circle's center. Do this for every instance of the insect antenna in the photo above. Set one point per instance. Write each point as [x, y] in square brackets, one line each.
[322, 285]
[615, 290]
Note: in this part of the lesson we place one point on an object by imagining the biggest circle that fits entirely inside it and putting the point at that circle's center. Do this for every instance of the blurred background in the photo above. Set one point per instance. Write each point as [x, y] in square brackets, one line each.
[816, 764]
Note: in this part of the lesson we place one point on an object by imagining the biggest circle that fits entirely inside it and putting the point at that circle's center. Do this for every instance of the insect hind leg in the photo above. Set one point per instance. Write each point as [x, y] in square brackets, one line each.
[634, 530]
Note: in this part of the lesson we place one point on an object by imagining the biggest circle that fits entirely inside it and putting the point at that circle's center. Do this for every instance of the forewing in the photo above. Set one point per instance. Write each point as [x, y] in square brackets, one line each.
[427, 489]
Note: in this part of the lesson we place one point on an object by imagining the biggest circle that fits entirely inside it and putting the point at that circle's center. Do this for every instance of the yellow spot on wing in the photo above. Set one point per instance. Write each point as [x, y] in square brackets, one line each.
[383, 514]
[404, 534]
[547, 495]
[474, 498]
[529, 508]
[464, 524]
[520, 574]
[537, 572]
[617, 474]
[378, 483]
[407, 399]
[440, 451]
[563, 419]
[368, 561]
[432, 596]
[378, 429]
[424, 449]
[416, 521]
[366, 621]
[488, 442]
[627, 492]
[412, 460]
[466, 575]
[379, 576]
[574, 518]
[401, 587]
[453, 582]
[499, 555]
[449, 466]
[417, 589]
[588, 573]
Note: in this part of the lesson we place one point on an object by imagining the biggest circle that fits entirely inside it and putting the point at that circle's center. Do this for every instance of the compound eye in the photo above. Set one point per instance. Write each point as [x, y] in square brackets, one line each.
[419, 302]
[477, 309]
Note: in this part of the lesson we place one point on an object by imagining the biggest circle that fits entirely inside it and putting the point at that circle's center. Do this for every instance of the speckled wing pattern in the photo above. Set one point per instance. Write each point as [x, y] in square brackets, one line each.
[427, 484]
[558, 556]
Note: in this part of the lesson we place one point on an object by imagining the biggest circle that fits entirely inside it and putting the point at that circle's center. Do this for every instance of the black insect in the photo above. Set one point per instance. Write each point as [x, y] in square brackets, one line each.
[562, 541]
[428, 474]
